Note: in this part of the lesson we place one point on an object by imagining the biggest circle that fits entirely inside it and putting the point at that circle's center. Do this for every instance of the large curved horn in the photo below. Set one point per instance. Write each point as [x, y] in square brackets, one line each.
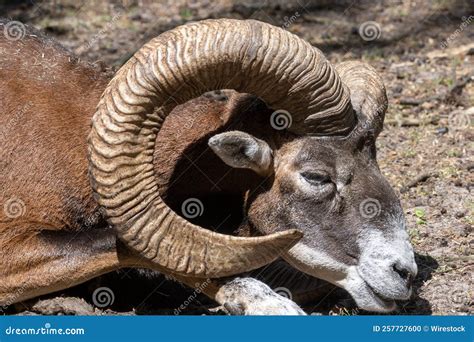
[368, 95]
[181, 64]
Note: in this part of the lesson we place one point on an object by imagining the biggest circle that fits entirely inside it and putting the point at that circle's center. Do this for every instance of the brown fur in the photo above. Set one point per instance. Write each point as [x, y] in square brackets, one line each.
[316, 184]
[61, 239]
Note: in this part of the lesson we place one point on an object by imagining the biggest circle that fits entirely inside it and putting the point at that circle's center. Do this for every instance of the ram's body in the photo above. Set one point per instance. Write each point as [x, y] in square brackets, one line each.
[48, 99]
[53, 233]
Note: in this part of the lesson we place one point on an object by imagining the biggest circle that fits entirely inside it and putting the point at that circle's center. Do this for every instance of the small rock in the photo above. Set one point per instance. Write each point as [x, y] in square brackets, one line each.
[397, 89]
[427, 105]
[64, 306]
[424, 234]
[442, 130]
[462, 229]
[418, 203]
[146, 17]
[466, 230]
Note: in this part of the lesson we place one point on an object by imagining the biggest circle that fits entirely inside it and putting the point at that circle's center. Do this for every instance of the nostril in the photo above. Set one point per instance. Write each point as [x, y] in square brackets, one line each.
[404, 274]
[401, 272]
[410, 280]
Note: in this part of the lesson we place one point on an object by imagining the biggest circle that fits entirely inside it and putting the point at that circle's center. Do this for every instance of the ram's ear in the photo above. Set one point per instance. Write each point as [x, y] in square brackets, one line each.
[244, 151]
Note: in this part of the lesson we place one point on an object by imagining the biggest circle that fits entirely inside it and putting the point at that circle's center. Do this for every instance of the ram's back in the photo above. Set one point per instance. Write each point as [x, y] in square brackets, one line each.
[47, 99]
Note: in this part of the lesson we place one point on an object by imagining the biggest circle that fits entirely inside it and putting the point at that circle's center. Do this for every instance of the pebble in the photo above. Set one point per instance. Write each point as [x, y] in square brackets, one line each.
[442, 130]
[466, 230]
[419, 202]
[398, 88]
[427, 105]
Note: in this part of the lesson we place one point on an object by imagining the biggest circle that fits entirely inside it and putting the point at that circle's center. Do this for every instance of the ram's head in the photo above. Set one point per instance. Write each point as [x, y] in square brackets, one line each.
[322, 177]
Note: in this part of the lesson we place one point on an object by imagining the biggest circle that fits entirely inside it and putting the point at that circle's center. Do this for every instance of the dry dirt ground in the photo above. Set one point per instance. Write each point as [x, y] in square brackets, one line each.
[425, 52]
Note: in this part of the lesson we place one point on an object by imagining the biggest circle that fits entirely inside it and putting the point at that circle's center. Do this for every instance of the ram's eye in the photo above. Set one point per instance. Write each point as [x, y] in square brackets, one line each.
[316, 178]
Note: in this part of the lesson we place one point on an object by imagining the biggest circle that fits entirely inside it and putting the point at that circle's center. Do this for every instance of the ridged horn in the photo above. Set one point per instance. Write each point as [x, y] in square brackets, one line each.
[181, 64]
[368, 95]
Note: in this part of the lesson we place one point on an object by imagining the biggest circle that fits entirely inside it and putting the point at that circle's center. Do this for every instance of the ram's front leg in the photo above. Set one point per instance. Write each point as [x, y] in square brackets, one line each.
[244, 296]
[249, 296]
[36, 261]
